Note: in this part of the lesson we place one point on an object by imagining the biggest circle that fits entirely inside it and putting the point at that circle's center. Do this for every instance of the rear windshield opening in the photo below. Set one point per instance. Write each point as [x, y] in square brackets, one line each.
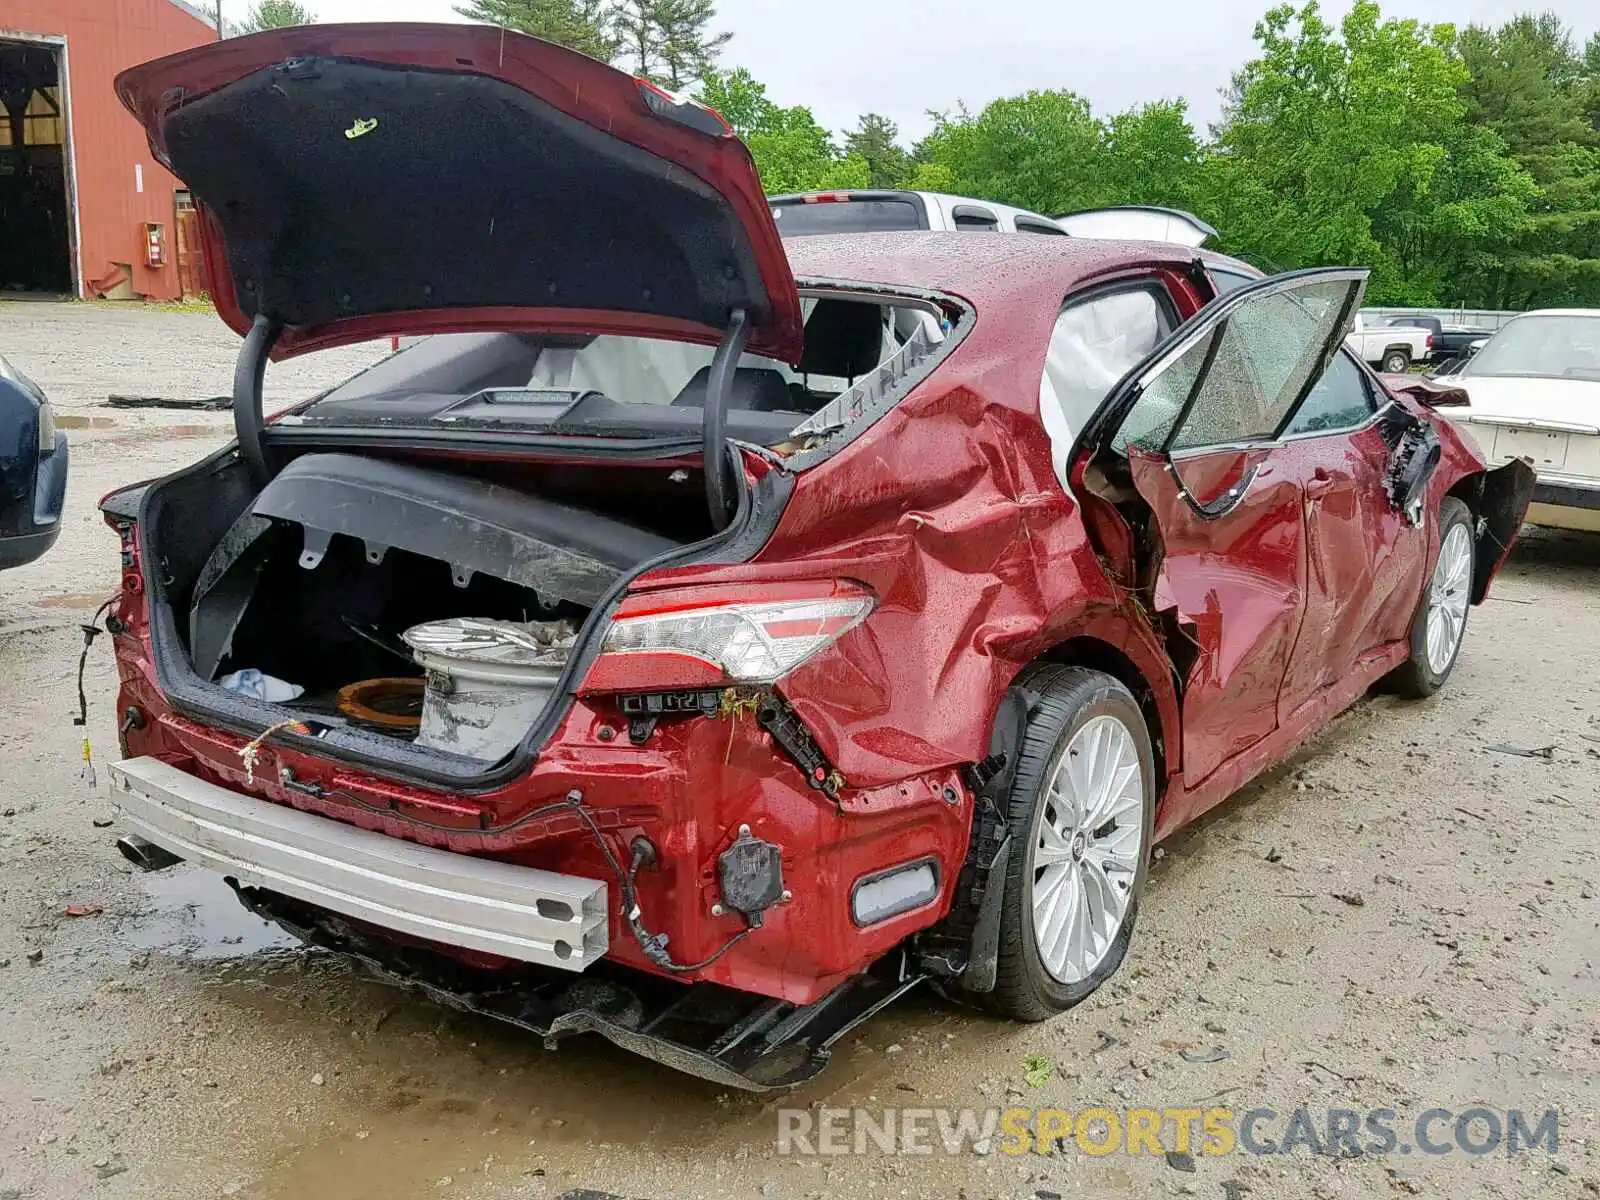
[626, 386]
[798, 218]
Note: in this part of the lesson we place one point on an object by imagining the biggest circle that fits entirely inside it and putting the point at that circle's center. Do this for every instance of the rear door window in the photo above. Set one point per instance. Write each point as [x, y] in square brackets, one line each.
[1039, 225]
[1238, 382]
[1225, 281]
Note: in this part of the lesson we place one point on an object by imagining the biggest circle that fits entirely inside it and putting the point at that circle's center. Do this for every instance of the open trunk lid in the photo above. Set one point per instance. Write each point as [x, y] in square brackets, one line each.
[357, 181]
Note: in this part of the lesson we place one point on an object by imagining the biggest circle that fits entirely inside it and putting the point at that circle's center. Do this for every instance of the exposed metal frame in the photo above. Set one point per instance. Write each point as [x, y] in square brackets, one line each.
[523, 913]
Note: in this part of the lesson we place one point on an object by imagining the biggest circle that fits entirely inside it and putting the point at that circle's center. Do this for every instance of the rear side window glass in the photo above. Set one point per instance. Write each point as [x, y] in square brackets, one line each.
[1341, 399]
[1095, 342]
[1228, 281]
[1249, 371]
[846, 216]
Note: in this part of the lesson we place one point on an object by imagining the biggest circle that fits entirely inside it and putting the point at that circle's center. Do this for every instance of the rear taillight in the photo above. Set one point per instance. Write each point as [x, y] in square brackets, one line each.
[702, 639]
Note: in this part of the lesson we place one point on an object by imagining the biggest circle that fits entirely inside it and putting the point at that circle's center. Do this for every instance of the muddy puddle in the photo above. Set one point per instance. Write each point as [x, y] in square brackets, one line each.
[192, 914]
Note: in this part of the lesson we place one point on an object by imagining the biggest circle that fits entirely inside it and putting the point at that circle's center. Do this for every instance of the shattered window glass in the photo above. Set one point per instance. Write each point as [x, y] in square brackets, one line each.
[1151, 420]
[1264, 354]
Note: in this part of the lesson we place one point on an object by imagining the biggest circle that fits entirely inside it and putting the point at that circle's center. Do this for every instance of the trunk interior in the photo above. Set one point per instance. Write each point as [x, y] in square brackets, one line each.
[315, 580]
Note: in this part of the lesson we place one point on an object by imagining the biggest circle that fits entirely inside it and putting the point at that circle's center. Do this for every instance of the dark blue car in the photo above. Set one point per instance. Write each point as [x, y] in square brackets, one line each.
[33, 470]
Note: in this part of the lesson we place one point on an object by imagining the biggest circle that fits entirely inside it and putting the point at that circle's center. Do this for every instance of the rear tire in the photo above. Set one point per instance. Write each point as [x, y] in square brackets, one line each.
[1440, 625]
[1081, 810]
[1396, 362]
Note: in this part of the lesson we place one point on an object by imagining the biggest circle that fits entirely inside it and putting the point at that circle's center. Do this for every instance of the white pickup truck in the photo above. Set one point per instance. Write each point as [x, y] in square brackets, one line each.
[1390, 348]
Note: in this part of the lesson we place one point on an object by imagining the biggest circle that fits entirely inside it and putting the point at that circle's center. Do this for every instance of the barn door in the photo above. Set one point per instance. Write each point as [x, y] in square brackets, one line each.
[191, 272]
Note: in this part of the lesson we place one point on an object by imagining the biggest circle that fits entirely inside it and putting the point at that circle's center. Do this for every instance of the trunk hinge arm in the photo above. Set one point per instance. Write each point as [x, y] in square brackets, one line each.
[713, 446]
[249, 373]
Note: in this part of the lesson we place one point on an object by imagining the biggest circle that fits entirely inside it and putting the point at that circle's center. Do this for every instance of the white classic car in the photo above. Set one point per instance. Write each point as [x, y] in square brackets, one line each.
[1534, 392]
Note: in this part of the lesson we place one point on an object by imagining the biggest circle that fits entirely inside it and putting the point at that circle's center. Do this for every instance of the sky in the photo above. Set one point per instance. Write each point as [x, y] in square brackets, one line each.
[901, 59]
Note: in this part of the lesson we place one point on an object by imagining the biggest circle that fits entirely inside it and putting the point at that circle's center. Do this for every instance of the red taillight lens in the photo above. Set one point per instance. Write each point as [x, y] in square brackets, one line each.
[705, 640]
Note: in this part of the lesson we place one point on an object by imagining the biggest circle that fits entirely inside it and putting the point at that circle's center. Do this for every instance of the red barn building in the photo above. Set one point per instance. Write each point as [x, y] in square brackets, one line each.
[84, 209]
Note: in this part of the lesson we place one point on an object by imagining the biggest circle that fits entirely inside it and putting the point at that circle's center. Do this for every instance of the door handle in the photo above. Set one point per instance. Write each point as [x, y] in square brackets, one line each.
[1320, 484]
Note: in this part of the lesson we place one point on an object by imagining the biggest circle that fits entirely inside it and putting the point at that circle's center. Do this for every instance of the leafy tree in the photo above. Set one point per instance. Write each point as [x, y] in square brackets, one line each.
[276, 14]
[581, 25]
[740, 99]
[689, 49]
[1152, 156]
[1350, 145]
[875, 140]
[792, 151]
[1040, 150]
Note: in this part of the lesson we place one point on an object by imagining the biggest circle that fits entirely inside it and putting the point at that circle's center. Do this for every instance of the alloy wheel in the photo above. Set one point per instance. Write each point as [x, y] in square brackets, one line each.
[1087, 838]
[1447, 598]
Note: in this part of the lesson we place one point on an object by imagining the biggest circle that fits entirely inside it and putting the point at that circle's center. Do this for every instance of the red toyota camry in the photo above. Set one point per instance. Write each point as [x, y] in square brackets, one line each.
[701, 640]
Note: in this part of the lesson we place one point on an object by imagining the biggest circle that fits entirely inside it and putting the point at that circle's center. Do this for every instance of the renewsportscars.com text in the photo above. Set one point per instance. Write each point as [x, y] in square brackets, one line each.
[1101, 1131]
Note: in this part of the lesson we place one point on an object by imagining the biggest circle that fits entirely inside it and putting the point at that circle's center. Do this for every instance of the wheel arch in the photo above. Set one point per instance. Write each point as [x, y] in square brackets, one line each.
[1157, 698]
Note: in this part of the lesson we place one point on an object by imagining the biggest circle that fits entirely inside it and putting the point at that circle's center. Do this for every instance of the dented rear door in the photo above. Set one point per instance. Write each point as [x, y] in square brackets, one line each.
[1364, 554]
[1201, 425]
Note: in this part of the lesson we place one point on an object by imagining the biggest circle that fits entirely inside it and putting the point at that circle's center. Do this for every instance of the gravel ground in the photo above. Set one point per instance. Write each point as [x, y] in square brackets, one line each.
[1404, 916]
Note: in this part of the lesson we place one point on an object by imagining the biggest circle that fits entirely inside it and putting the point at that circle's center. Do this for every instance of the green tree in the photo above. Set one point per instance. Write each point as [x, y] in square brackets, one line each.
[1529, 84]
[581, 25]
[276, 14]
[875, 140]
[1151, 155]
[1040, 150]
[1350, 145]
[792, 151]
[669, 41]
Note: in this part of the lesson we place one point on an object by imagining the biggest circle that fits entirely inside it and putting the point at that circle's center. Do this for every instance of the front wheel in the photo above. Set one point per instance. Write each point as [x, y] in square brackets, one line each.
[1081, 810]
[1396, 362]
[1441, 620]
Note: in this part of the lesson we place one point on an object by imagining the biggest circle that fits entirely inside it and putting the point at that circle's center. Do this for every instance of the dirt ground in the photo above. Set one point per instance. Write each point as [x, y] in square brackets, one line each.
[1405, 916]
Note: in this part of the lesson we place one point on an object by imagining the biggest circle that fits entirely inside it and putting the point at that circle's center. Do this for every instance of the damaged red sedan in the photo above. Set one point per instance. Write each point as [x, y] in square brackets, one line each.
[702, 641]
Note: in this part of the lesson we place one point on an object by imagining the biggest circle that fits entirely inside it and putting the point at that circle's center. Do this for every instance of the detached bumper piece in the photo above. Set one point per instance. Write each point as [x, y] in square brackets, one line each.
[520, 913]
[732, 1038]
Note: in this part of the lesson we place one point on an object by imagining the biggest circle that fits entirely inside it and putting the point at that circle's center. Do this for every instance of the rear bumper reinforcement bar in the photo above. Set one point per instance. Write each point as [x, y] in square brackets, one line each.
[521, 913]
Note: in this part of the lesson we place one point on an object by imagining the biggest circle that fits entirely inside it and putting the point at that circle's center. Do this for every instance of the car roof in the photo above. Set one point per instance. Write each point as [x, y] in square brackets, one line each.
[1559, 312]
[948, 198]
[1009, 209]
[973, 266]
